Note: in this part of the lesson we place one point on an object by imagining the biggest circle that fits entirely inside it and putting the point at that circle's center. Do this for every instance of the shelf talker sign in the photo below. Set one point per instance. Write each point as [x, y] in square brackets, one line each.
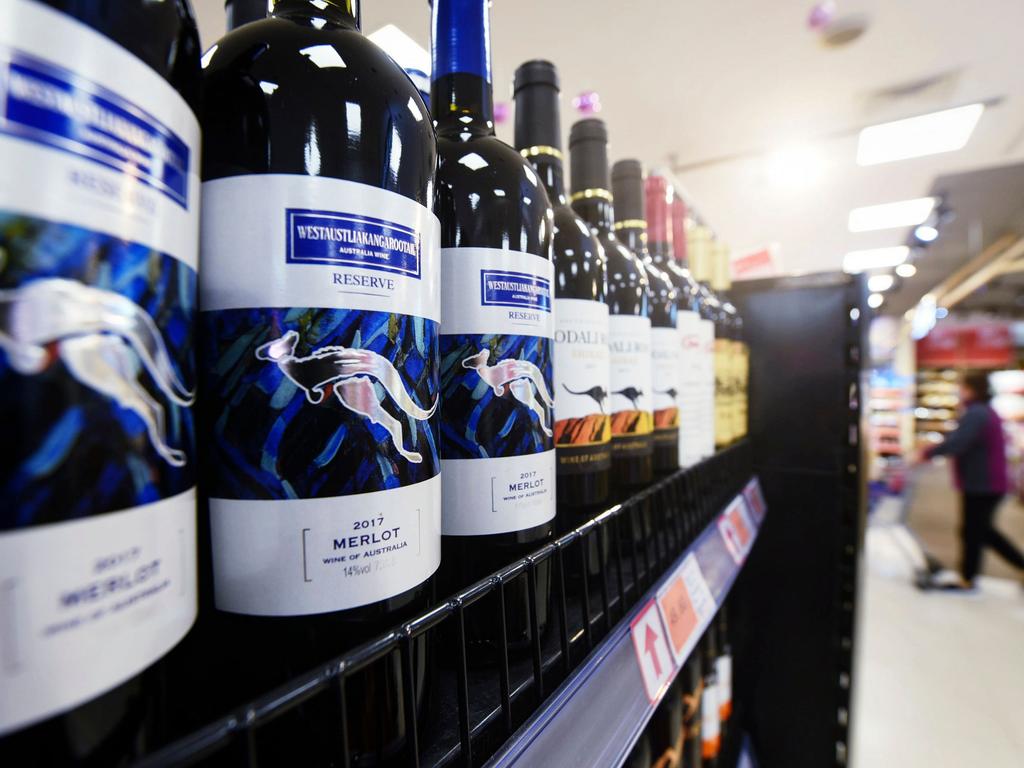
[755, 500]
[686, 605]
[657, 666]
[736, 530]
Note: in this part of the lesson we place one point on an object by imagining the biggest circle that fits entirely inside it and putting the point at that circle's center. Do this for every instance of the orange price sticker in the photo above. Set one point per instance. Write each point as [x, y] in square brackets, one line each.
[679, 615]
[740, 526]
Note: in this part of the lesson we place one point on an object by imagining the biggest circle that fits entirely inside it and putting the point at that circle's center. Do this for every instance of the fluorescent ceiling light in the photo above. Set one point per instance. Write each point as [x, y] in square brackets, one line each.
[906, 270]
[930, 134]
[905, 213]
[879, 283]
[875, 258]
[875, 300]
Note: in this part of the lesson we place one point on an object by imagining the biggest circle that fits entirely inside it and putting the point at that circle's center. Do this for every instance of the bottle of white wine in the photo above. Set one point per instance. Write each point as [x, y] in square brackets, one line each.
[99, 218]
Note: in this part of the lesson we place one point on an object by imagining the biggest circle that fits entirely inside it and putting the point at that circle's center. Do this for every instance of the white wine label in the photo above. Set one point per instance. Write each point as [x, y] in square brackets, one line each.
[666, 363]
[497, 436]
[123, 595]
[707, 399]
[582, 386]
[691, 391]
[320, 309]
[99, 211]
[305, 556]
[629, 341]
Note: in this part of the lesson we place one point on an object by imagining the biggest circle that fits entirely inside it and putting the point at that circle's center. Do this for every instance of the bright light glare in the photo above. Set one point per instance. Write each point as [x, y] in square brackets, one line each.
[795, 166]
[926, 233]
[930, 134]
[905, 213]
[406, 52]
[875, 300]
[906, 270]
[324, 56]
[941, 312]
[879, 283]
[875, 258]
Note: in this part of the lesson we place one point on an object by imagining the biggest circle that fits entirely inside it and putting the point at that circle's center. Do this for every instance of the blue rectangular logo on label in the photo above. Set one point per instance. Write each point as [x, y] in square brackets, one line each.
[54, 107]
[349, 240]
[499, 288]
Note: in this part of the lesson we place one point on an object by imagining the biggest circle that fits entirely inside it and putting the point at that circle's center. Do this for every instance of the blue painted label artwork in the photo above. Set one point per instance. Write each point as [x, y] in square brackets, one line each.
[496, 395]
[314, 403]
[94, 364]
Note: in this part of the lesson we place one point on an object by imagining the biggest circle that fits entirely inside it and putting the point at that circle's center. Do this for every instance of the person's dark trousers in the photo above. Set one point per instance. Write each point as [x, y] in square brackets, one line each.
[977, 532]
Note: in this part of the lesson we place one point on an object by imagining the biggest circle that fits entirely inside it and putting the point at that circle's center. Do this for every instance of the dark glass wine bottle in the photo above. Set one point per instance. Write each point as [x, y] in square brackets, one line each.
[498, 330]
[691, 418]
[629, 336]
[665, 727]
[711, 727]
[99, 216]
[693, 692]
[723, 666]
[320, 311]
[241, 12]
[641, 754]
[582, 424]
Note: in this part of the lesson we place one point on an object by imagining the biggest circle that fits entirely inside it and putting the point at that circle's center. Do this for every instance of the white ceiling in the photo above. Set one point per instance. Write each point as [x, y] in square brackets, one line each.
[713, 87]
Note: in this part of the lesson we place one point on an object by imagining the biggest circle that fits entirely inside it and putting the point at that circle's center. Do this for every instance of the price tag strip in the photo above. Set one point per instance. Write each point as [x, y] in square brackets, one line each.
[580, 724]
[755, 500]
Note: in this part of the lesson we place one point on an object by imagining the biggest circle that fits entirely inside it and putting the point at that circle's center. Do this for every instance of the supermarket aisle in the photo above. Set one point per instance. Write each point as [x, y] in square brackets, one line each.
[941, 676]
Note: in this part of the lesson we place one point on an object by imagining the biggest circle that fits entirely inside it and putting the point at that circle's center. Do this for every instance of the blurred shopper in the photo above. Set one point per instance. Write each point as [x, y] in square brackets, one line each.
[978, 450]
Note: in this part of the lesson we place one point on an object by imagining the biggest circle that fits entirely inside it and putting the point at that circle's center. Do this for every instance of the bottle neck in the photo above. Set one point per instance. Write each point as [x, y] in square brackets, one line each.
[633, 236]
[241, 12]
[345, 13]
[461, 97]
[595, 207]
[549, 168]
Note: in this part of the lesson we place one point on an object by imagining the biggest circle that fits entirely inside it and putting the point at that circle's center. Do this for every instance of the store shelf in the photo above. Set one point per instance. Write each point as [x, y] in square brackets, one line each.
[527, 694]
[581, 724]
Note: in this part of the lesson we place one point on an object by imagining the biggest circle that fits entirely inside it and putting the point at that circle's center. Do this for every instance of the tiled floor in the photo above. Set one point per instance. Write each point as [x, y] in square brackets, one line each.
[940, 682]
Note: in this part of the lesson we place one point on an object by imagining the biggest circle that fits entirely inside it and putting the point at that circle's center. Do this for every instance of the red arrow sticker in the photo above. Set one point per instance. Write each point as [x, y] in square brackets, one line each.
[652, 652]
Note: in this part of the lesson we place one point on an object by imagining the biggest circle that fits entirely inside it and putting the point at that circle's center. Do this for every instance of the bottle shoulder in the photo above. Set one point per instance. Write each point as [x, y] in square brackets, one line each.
[163, 35]
[489, 196]
[280, 96]
[579, 258]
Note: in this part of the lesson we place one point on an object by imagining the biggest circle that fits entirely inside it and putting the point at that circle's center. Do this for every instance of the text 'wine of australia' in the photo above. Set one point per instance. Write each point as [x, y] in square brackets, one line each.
[99, 217]
[581, 385]
[497, 342]
[629, 337]
[320, 312]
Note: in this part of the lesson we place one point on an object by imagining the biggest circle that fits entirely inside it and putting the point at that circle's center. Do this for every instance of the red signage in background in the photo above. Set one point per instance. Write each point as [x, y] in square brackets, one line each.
[967, 345]
[762, 263]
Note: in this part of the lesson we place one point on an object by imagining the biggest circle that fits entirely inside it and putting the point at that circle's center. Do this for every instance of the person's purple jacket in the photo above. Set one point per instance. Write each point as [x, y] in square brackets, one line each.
[978, 449]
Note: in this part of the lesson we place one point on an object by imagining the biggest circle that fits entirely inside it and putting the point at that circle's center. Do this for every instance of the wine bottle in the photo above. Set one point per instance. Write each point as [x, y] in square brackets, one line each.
[732, 330]
[693, 691]
[241, 12]
[665, 728]
[724, 400]
[711, 733]
[582, 424]
[99, 216]
[640, 756]
[320, 311]
[723, 667]
[700, 250]
[691, 441]
[629, 337]
[497, 337]
[631, 229]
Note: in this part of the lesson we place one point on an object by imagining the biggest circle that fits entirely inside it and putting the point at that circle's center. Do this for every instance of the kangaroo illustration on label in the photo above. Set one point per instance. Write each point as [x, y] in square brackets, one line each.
[596, 393]
[518, 375]
[670, 393]
[349, 374]
[632, 394]
[104, 340]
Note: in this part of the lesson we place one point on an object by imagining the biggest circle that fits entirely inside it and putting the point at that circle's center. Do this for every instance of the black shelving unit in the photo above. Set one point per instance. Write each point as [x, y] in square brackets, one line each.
[475, 710]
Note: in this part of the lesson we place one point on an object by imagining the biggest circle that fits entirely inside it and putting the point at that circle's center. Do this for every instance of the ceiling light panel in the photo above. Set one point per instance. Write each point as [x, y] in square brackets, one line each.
[905, 213]
[875, 258]
[931, 134]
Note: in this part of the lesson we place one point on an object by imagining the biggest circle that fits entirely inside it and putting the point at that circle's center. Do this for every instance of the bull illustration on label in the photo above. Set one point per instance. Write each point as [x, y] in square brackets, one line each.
[350, 374]
[104, 340]
[520, 376]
